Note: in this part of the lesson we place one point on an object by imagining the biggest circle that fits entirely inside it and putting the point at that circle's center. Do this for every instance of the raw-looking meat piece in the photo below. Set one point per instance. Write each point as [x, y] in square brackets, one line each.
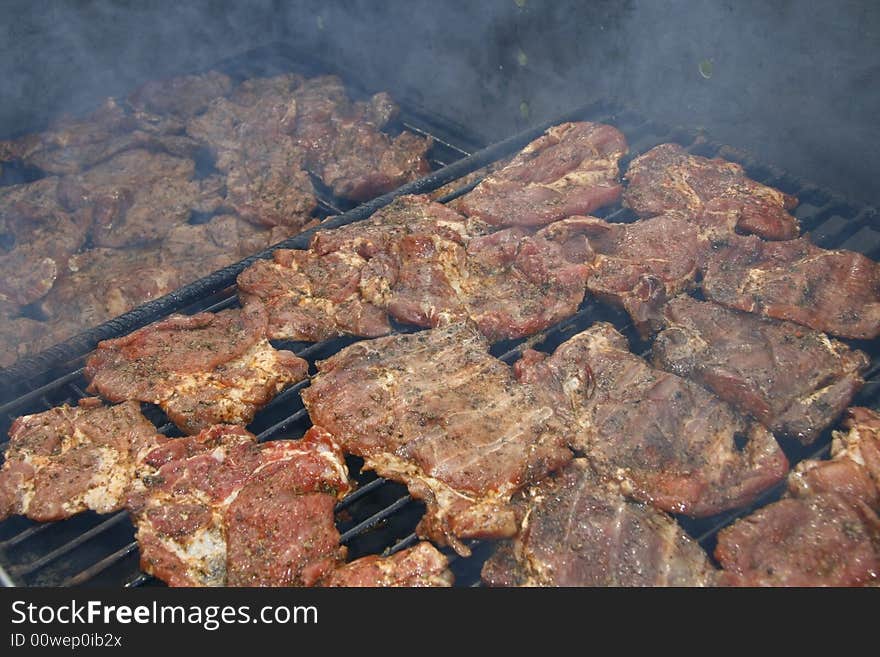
[663, 439]
[71, 459]
[793, 380]
[835, 291]
[668, 178]
[222, 510]
[435, 411]
[201, 369]
[41, 235]
[576, 531]
[639, 266]
[138, 196]
[182, 96]
[100, 284]
[827, 539]
[854, 467]
[71, 145]
[572, 169]
[418, 566]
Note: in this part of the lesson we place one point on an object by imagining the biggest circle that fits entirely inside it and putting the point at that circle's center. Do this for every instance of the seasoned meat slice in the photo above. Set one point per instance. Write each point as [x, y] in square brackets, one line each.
[576, 531]
[663, 439]
[668, 178]
[837, 292]
[854, 467]
[793, 380]
[39, 235]
[201, 370]
[423, 264]
[221, 509]
[828, 539]
[639, 266]
[71, 459]
[418, 566]
[23, 336]
[138, 196]
[572, 169]
[182, 96]
[435, 411]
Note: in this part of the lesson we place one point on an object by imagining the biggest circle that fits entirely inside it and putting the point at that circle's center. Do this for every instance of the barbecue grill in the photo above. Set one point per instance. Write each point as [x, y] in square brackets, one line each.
[379, 516]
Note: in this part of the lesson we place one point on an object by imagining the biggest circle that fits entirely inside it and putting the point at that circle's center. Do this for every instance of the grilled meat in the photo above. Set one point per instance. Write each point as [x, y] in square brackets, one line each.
[639, 266]
[793, 380]
[423, 264]
[668, 178]
[827, 539]
[471, 178]
[576, 531]
[201, 370]
[72, 459]
[138, 196]
[183, 96]
[220, 509]
[664, 440]
[837, 292]
[418, 566]
[435, 411]
[21, 336]
[854, 467]
[570, 170]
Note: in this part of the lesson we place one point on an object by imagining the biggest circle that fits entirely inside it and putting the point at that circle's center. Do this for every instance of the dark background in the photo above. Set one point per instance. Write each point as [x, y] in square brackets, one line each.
[795, 82]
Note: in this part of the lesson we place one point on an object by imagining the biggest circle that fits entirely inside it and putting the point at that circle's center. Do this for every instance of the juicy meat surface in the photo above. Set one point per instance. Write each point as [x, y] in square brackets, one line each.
[138, 196]
[640, 266]
[418, 566]
[182, 96]
[854, 467]
[668, 178]
[435, 411]
[201, 370]
[572, 169]
[834, 291]
[827, 539]
[793, 380]
[575, 531]
[71, 459]
[222, 510]
[663, 439]
[22, 336]
[423, 264]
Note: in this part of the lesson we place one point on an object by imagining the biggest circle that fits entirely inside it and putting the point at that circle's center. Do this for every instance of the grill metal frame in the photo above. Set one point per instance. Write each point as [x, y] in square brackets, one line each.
[379, 516]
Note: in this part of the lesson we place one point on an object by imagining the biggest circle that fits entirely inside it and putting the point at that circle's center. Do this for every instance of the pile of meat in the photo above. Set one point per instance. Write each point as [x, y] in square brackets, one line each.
[122, 214]
[580, 459]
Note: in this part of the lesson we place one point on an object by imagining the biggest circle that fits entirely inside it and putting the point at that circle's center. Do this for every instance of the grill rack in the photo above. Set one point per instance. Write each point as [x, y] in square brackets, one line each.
[379, 516]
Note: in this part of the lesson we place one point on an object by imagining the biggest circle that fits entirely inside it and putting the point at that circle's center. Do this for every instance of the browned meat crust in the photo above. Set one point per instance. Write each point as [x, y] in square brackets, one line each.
[418, 566]
[793, 380]
[572, 169]
[182, 96]
[668, 178]
[576, 531]
[72, 459]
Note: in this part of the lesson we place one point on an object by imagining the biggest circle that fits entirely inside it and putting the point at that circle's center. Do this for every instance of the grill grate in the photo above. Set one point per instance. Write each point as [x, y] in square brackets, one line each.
[380, 516]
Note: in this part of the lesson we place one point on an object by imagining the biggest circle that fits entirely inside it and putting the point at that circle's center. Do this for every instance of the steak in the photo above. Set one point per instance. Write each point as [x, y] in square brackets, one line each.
[827, 539]
[222, 510]
[668, 178]
[138, 196]
[575, 531]
[664, 440]
[572, 169]
[201, 370]
[436, 412]
[418, 566]
[183, 96]
[854, 467]
[639, 266]
[835, 291]
[21, 336]
[793, 380]
[423, 264]
[71, 459]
